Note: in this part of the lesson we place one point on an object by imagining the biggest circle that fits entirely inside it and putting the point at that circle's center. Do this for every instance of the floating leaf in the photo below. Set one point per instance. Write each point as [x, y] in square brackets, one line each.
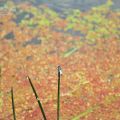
[70, 52]
[44, 22]
[83, 114]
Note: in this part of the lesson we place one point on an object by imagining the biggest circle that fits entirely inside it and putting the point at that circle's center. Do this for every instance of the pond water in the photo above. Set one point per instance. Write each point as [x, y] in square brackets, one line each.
[34, 40]
[71, 4]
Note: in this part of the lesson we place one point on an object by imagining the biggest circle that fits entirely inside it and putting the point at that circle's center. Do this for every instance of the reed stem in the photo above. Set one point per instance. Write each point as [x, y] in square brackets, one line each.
[13, 105]
[58, 97]
[37, 98]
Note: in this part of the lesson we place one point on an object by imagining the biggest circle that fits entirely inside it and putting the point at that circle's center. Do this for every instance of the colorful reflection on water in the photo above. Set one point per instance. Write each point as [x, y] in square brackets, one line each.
[83, 37]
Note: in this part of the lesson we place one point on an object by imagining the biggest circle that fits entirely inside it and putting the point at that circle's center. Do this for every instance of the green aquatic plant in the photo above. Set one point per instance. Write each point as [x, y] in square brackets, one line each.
[32, 16]
[42, 17]
[94, 23]
[44, 22]
[10, 5]
[103, 8]
[50, 13]
[73, 19]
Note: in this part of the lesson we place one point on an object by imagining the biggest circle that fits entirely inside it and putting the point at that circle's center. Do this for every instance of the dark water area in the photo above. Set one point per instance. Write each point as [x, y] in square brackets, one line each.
[9, 36]
[59, 6]
[34, 41]
[21, 16]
